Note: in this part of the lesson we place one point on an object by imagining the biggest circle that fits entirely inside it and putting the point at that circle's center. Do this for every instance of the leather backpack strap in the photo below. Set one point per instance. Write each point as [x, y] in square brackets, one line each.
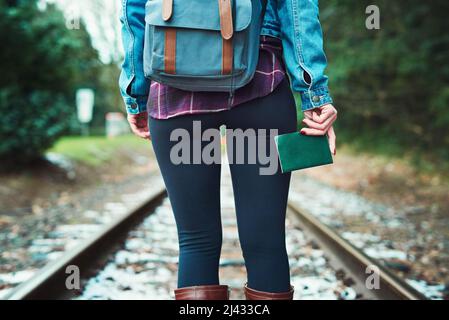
[226, 24]
[170, 38]
[170, 51]
[227, 55]
[167, 9]
[227, 31]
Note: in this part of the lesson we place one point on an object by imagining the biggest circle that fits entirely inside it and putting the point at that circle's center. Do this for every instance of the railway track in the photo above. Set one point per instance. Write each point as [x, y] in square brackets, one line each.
[90, 256]
[358, 266]
[50, 282]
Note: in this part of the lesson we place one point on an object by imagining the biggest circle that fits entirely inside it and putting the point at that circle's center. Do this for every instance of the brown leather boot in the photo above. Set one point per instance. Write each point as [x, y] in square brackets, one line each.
[210, 292]
[252, 294]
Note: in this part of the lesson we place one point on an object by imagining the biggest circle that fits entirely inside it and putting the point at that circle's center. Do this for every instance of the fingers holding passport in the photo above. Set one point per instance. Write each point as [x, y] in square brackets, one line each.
[319, 122]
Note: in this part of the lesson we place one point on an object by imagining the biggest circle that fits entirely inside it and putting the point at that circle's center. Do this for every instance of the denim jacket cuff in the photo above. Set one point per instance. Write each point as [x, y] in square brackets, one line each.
[315, 98]
[136, 105]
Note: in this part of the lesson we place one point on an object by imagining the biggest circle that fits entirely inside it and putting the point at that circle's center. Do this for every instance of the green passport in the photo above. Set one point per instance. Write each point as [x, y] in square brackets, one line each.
[297, 151]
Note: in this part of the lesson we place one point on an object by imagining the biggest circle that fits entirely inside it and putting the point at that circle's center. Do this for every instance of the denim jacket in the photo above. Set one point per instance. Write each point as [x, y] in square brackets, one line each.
[295, 22]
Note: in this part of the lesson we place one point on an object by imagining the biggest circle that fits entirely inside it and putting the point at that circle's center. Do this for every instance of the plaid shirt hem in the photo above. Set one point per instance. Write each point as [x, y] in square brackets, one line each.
[166, 102]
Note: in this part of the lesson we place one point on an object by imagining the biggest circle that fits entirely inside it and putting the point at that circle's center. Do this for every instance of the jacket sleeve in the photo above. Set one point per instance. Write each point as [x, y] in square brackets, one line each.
[134, 87]
[302, 40]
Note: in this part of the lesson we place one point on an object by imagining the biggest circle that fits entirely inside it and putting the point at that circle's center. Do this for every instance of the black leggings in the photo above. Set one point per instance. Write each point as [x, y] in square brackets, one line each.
[260, 200]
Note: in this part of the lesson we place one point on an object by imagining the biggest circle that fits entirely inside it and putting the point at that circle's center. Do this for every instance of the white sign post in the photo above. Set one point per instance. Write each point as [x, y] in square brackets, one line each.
[85, 106]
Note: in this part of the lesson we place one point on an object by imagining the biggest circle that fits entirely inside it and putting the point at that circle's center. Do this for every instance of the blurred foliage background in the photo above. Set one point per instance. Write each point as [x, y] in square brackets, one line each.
[391, 86]
[43, 63]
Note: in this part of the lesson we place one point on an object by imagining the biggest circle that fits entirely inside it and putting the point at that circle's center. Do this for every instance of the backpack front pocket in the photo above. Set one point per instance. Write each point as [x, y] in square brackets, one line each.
[190, 42]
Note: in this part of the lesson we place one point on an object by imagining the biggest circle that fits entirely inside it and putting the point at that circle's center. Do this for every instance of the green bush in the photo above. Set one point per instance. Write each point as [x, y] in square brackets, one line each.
[391, 86]
[30, 124]
[42, 64]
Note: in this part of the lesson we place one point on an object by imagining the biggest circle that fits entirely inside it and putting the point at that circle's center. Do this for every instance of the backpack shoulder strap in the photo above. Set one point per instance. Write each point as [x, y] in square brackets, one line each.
[264, 7]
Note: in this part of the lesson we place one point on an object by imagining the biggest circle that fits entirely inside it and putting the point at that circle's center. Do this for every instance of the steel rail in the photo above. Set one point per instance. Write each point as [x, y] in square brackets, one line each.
[50, 282]
[344, 255]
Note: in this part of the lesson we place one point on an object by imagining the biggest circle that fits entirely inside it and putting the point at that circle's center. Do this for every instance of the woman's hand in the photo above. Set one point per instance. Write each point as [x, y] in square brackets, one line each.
[139, 125]
[319, 122]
